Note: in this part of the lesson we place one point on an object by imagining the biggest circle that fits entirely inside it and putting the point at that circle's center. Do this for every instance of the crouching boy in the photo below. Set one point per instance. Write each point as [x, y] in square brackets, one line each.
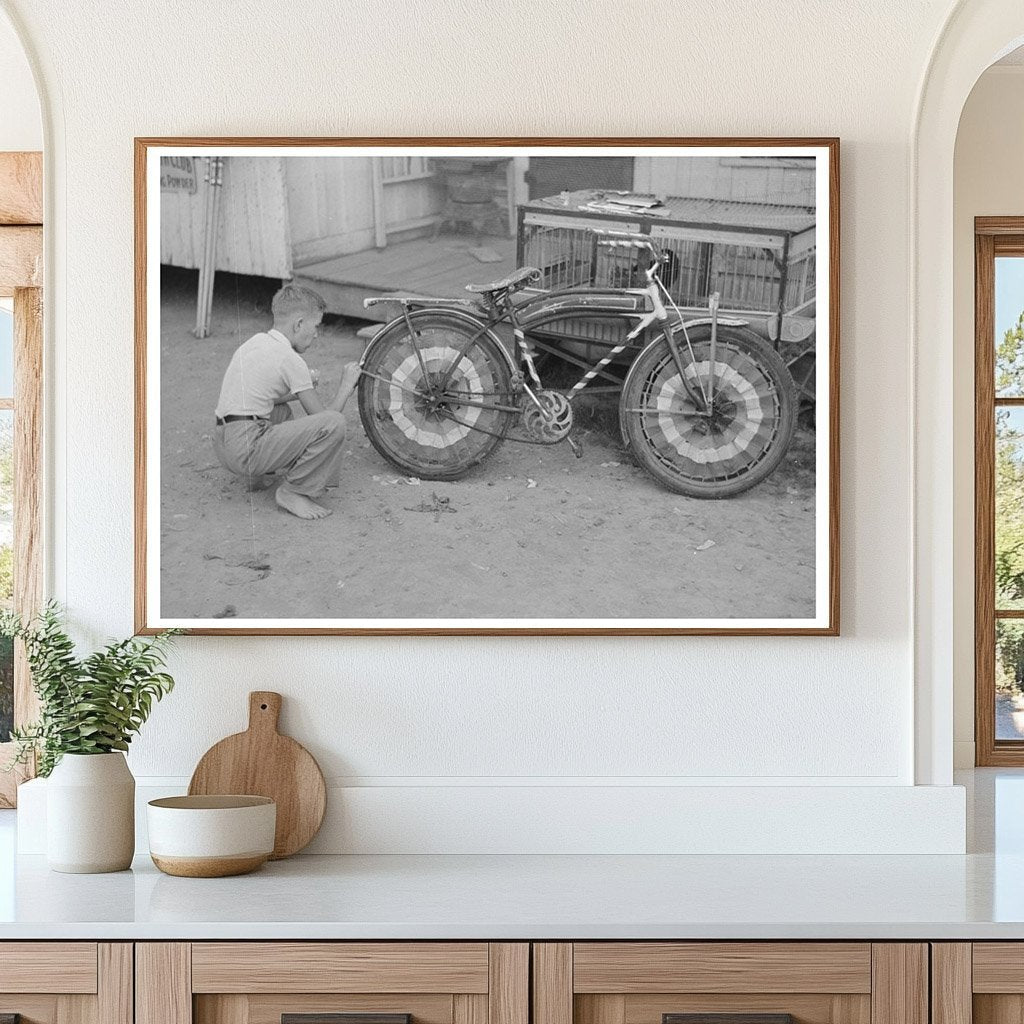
[255, 433]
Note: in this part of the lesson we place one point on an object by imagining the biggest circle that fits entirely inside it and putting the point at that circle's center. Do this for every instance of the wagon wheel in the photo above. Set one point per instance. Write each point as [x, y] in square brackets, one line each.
[734, 449]
[408, 419]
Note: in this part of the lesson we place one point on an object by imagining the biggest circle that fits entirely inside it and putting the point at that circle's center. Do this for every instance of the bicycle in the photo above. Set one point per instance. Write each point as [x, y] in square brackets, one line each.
[706, 406]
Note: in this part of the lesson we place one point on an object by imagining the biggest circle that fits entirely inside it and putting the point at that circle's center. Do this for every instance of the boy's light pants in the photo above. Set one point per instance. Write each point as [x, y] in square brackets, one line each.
[310, 448]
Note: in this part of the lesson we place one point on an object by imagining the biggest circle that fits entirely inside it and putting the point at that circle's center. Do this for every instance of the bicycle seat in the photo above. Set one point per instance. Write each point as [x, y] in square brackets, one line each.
[516, 279]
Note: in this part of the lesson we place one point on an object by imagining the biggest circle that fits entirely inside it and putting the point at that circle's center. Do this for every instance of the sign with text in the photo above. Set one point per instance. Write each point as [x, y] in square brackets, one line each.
[179, 174]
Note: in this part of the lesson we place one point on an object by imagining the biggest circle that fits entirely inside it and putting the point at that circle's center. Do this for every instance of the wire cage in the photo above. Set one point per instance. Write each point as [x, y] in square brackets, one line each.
[759, 257]
[747, 278]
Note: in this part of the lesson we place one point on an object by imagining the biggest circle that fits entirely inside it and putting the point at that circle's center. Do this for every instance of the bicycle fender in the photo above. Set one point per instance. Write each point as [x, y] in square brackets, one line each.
[655, 342]
[417, 301]
[436, 313]
[705, 321]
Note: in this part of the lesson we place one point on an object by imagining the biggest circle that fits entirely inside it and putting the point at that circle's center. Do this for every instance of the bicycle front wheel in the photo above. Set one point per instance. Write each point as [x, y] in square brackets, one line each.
[740, 444]
[427, 395]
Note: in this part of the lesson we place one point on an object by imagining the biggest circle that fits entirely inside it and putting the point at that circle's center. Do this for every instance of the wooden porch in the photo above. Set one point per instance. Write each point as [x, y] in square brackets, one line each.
[440, 268]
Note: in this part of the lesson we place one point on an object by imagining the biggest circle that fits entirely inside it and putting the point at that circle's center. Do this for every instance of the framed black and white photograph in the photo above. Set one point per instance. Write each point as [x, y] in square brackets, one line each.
[487, 386]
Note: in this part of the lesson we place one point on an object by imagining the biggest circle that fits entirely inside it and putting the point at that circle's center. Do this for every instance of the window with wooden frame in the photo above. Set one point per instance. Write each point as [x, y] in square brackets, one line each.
[21, 365]
[999, 490]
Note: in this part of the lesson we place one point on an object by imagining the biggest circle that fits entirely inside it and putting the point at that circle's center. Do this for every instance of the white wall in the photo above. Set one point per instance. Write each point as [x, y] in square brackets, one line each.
[988, 181]
[21, 127]
[451, 713]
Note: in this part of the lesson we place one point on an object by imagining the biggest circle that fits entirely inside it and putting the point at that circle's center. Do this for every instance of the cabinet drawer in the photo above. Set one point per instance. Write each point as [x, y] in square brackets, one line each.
[66, 982]
[998, 967]
[340, 967]
[730, 983]
[332, 983]
[65, 967]
[633, 967]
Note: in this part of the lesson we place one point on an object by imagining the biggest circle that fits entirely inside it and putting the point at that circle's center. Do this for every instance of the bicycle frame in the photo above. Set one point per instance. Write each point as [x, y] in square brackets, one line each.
[708, 412]
[639, 308]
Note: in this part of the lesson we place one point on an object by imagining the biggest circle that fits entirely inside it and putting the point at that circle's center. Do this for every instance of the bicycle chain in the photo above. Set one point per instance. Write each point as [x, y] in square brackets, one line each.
[516, 378]
[491, 433]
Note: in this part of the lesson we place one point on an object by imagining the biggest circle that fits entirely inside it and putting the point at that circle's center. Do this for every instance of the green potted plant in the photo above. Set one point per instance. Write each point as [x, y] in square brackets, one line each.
[90, 708]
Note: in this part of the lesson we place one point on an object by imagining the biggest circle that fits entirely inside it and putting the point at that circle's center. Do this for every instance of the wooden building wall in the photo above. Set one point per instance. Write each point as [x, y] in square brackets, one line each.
[330, 200]
[339, 204]
[278, 213]
[751, 179]
[253, 227]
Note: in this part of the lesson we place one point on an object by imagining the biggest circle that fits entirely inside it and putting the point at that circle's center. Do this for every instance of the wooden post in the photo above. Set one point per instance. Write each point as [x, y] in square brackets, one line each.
[28, 482]
[28, 501]
[380, 228]
[21, 188]
[510, 195]
[21, 276]
[21, 257]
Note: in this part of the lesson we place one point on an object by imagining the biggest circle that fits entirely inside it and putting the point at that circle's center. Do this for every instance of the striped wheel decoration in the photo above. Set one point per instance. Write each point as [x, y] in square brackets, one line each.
[413, 418]
[739, 435]
[423, 432]
[712, 456]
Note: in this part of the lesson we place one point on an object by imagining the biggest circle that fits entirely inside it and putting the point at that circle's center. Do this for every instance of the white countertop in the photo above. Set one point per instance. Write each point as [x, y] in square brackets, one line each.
[977, 896]
[517, 897]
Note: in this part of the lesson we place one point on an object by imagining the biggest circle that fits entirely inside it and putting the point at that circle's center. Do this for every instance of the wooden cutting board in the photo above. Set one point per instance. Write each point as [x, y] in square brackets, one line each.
[262, 762]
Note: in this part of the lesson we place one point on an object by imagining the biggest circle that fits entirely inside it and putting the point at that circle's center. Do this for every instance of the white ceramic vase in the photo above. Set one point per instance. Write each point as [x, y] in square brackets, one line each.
[90, 814]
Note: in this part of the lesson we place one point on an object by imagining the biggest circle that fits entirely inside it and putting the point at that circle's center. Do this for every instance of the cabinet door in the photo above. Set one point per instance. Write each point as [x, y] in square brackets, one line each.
[332, 983]
[66, 982]
[981, 982]
[730, 983]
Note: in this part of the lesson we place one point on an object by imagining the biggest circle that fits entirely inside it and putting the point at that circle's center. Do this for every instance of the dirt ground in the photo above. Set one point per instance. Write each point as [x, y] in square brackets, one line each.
[531, 533]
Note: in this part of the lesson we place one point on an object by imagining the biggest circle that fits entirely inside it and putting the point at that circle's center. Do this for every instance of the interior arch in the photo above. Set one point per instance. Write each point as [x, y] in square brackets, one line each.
[976, 34]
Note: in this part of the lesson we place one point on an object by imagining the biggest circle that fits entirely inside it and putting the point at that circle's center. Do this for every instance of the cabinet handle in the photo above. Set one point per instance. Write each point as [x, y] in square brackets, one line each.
[337, 1018]
[727, 1018]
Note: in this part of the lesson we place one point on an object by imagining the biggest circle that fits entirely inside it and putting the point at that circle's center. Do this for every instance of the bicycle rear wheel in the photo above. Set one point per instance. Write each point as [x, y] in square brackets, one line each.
[413, 425]
[734, 449]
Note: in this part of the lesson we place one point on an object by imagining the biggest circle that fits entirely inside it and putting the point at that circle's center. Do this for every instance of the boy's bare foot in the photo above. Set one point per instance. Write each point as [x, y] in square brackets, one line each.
[299, 505]
[260, 483]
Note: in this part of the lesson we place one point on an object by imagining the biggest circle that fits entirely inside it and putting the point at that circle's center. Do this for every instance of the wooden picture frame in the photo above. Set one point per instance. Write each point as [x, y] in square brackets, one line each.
[514, 170]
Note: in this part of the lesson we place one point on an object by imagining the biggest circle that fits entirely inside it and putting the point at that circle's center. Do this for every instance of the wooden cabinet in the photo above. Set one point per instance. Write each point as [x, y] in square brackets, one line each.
[262, 982]
[978, 983]
[651, 982]
[512, 983]
[66, 982]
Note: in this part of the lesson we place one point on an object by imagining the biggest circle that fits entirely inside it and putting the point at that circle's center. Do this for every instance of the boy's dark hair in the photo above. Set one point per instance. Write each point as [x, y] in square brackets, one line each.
[293, 299]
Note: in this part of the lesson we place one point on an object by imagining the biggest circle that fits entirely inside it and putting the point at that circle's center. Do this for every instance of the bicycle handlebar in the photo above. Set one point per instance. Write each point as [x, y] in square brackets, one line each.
[632, 240]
